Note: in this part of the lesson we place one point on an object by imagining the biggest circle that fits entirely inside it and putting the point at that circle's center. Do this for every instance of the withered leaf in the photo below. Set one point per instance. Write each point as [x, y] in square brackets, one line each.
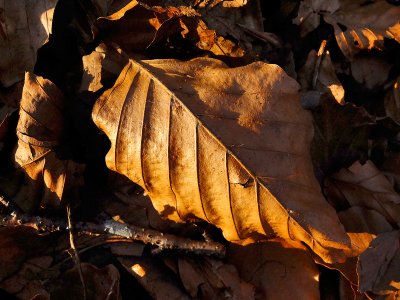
[208, 278]
[155, 278]
[358, 25]
[24, 28]
[39, 131]
[365, 186]
[28, 282]
[275, 265]
[17, 244]
[229, 146]
[155, 25]
[101, 283]
[378, 267]
[323, 75]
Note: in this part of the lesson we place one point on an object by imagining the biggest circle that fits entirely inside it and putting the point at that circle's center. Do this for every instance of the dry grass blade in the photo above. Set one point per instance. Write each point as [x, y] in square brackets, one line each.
[230, 146]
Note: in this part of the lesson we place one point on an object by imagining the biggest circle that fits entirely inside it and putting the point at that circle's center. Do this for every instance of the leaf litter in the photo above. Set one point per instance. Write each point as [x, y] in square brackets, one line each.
[215, 144]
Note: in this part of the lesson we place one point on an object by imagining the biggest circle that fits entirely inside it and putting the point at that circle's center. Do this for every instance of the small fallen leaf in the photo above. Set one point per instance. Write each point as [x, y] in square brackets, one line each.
[27, 283]
[378, 267]
[275, 265]
[18, 244]
[230, 146]
[101, 283]
[155, 25]
[370, 71]
[208, 278]
[24, 28]
[358, 25]
[323, 75]
[365, 186]
[39, 131]
[157, 280]
[100, 66]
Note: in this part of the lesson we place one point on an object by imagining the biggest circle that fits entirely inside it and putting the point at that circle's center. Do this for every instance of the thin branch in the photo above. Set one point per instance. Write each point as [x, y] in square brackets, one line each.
[76, 254]
[132, 232]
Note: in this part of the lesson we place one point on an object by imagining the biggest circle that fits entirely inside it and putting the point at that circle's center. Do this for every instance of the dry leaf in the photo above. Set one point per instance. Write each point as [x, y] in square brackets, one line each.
[100, 283]
[207, 278]
[102, 65]
[276, 265]
[230, 146]
[358, 25]
[39, 131]
[365, 186]
[378, 267]
[341, 136]
[157, 280]
[370, 71]
[323, 75]
[27, 283]
[156, 25]
[16, 245]
[24, 28]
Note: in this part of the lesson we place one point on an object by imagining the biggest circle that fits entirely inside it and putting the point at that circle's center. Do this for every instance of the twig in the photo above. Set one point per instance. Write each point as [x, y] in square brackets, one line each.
[320, 55]
[76, 254]
[147, 236]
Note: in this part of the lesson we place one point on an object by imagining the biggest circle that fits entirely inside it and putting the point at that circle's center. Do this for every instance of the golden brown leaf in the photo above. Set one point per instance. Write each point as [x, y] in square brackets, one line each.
[24, 28]
[229, 146]
[39, 131]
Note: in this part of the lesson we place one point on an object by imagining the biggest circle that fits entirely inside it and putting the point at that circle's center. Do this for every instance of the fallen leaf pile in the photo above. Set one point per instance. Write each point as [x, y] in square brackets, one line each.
[266, 133]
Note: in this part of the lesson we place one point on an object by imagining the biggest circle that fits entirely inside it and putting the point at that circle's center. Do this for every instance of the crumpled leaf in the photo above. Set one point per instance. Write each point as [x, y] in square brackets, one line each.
[24, 28]
[358, 25]
[156, 25]
[211, 279]
[229, 146]
[39, 131]
[101, 283]
[365, 186]
[378, 267]
[276, 265]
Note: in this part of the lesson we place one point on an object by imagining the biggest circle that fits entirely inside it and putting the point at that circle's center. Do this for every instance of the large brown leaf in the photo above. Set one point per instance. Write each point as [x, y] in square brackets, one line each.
[24, 28]
[230, 146]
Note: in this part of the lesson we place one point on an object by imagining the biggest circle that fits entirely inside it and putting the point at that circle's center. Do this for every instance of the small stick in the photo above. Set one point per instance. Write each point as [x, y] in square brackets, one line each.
[76, 254]
[320, 55]
[147, 236]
